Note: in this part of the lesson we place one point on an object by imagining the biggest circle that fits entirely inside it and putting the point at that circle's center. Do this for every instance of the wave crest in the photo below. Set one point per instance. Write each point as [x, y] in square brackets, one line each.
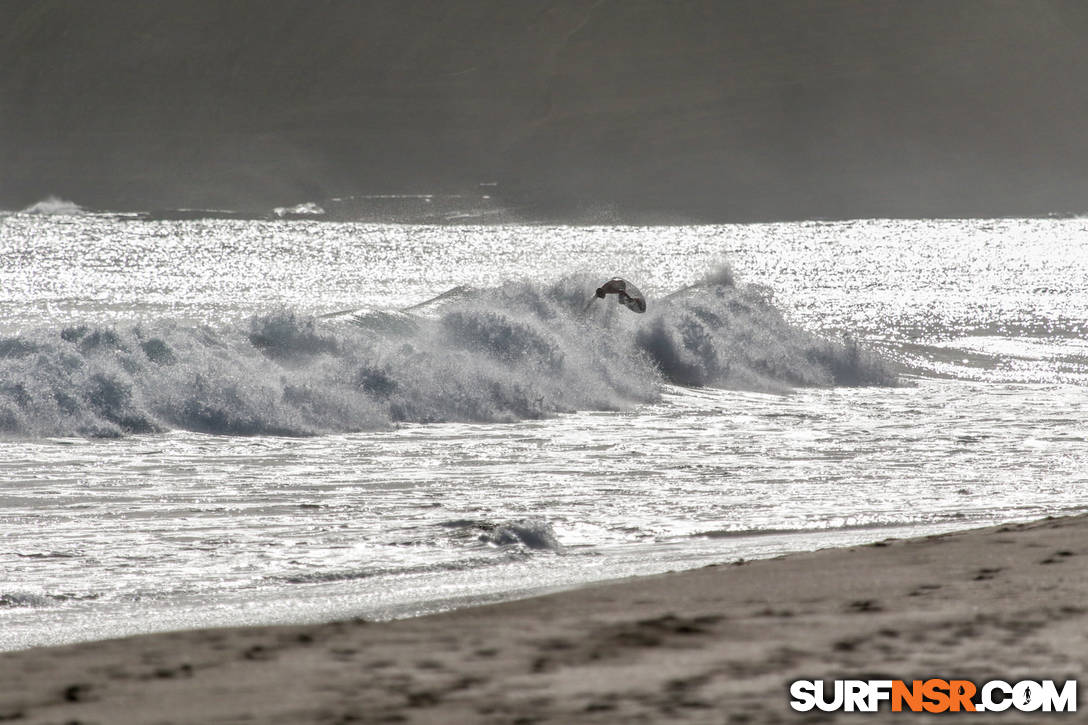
[54, 206]
[725, 336]
[519, 351]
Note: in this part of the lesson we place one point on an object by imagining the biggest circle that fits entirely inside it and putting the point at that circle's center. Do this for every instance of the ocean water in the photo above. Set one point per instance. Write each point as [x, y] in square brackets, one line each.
[215, 422]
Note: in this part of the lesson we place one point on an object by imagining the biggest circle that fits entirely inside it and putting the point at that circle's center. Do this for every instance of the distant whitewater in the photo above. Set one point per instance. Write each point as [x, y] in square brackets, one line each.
[305, 209]
[54, 206]
[515, 352]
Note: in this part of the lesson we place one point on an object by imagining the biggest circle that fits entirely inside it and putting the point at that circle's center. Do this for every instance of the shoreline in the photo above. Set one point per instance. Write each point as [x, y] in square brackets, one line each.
[262, 608]
[717, 644]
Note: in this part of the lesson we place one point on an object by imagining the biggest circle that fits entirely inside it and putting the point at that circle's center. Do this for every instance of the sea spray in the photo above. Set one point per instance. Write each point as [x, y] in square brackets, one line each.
[518, 351]
[718, 334]
[54, 206]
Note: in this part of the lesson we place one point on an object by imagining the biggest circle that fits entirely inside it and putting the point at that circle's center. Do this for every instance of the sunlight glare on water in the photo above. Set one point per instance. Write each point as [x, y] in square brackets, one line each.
[179, 528]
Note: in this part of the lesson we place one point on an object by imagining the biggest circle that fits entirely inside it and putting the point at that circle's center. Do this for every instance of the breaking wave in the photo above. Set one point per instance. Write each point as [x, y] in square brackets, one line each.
[530, 533]
[308, 208]
[519, 351]
[54, 206]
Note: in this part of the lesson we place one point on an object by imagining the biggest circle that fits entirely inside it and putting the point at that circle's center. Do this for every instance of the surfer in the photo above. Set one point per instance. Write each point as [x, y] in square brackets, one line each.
[626, 294]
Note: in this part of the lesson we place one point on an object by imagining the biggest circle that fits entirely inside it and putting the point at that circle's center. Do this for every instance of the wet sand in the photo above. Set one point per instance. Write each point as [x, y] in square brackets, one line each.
[714, 645]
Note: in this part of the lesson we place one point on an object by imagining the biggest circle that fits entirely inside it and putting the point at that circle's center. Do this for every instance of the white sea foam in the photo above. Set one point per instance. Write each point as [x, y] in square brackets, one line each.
[308, 208]
[54, 206]
[519, 351]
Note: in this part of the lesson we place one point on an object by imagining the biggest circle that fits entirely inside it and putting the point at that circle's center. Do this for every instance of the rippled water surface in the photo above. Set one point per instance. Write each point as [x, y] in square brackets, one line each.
[502, 441]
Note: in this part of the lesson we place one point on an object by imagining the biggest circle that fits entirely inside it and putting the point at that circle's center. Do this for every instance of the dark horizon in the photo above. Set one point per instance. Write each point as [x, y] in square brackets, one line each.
[686, 111]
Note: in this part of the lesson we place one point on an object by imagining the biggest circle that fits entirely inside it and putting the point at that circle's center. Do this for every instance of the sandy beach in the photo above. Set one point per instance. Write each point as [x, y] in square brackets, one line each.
[715, 645]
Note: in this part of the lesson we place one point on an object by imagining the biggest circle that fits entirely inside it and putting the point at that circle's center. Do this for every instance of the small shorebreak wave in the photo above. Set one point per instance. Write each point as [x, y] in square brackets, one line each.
[519, 351]
[529, 533]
